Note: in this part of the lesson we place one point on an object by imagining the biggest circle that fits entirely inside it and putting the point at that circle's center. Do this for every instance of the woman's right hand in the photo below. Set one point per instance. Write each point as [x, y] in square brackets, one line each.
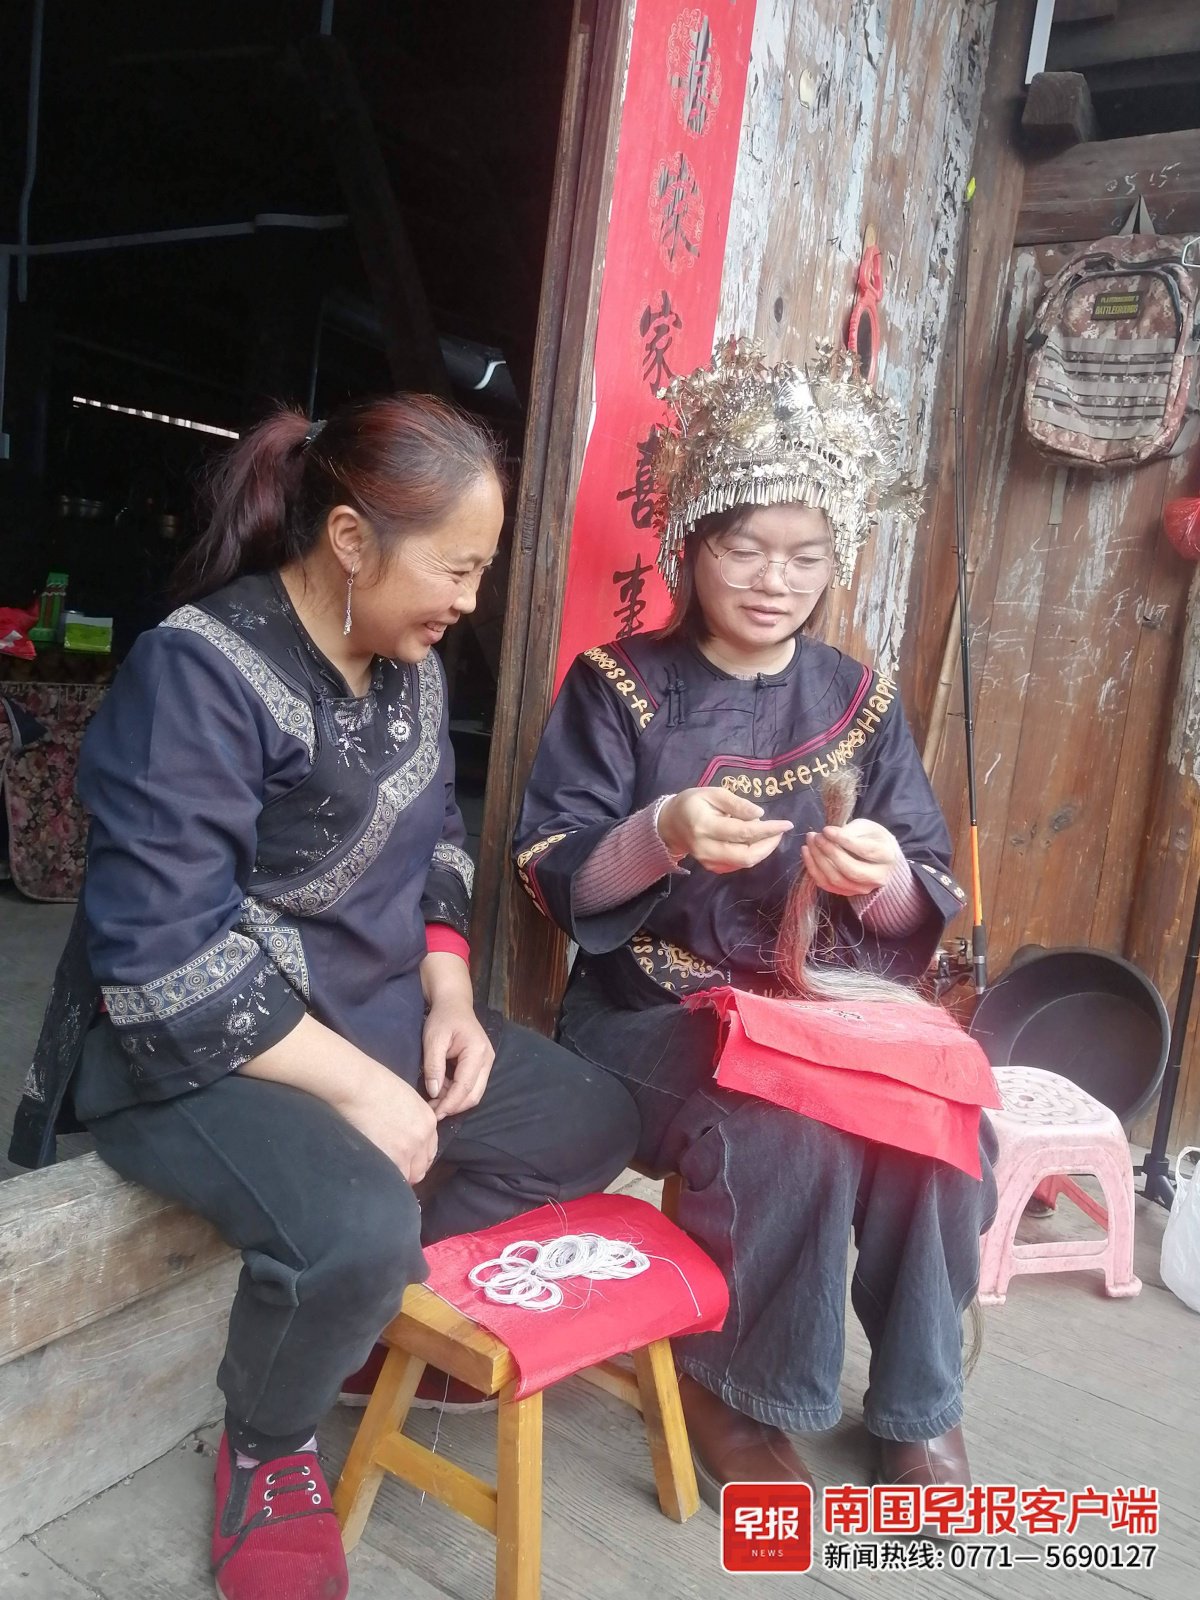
[721, 831]
[380, 1105]
[395, 1117]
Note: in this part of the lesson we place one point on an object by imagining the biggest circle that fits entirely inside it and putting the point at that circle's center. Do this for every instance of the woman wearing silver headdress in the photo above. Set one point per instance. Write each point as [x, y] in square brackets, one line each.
[674, 798]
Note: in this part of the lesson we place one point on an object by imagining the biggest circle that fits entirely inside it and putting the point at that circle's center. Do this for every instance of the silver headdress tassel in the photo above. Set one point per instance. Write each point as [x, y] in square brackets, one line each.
[746, 434]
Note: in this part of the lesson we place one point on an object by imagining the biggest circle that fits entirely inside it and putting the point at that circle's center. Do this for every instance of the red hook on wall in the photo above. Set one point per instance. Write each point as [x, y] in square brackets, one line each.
[862, 334]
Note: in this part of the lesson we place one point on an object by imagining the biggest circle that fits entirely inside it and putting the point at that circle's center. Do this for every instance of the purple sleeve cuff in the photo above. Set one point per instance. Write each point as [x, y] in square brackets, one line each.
[896, 908]
[625, 863]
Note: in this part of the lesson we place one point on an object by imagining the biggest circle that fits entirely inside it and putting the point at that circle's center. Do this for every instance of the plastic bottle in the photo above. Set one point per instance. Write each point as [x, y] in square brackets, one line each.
[48, 627]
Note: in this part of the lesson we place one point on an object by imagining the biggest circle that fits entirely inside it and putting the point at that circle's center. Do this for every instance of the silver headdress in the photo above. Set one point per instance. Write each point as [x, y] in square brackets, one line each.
[746, 434]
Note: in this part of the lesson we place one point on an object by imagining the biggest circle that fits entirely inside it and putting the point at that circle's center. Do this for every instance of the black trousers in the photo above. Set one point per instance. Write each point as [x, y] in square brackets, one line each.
[774, 1198]
[330, 1232]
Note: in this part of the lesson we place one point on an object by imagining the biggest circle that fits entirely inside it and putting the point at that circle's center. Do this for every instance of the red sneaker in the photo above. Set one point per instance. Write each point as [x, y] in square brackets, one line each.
[437, 1390]
[275, 1536]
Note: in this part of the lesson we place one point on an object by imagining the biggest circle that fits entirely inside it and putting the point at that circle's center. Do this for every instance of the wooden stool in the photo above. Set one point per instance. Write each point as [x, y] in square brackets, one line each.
[672, 1187]
[427, 1329]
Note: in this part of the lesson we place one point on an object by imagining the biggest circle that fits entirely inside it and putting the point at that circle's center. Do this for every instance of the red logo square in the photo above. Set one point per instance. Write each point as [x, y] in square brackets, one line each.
[766, 1527]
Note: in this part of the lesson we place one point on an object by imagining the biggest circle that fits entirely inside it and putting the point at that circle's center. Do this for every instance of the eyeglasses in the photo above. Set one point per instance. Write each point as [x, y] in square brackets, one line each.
[742, 569]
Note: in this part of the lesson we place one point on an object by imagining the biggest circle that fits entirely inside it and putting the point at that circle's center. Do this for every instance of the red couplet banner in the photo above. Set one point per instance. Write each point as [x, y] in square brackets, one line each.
[676, 156]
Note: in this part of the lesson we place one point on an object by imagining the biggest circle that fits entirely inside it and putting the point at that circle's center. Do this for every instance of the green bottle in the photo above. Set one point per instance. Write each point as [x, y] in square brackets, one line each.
[54, 597]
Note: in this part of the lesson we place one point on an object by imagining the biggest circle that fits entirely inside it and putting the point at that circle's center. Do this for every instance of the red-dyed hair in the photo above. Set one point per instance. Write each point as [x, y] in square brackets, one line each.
[403, 461]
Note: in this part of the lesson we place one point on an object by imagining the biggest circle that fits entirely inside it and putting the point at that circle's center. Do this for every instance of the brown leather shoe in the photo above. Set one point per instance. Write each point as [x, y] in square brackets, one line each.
[925, 1461]
[730, 1447]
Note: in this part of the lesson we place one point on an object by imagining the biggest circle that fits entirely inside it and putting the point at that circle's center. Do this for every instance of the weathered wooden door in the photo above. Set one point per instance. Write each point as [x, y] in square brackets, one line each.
[515, 951]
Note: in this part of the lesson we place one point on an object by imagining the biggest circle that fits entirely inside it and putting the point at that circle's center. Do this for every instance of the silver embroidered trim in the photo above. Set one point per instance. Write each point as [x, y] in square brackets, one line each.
[458, 861]
[187, 986]
[279, 942]
[290, 713]
[396, 794]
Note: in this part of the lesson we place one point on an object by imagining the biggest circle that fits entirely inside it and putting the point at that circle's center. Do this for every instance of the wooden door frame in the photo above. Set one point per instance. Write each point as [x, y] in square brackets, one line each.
[518, 957]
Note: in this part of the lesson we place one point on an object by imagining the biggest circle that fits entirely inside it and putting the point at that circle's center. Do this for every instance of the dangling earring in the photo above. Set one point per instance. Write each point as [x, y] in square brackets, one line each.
[349, 591]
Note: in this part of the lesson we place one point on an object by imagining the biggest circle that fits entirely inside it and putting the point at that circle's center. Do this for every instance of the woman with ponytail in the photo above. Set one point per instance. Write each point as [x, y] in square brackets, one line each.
[675, 799]
[264, 1011]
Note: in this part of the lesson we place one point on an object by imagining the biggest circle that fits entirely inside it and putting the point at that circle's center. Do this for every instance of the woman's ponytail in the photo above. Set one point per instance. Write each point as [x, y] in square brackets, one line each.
[403, 461]
[251, 496]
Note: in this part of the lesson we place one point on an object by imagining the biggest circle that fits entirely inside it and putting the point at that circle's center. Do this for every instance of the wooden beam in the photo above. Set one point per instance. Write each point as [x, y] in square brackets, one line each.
[1069, 11]
[1058, 110]
[1000, 174]
[1157, 72]
[1085, 192]
[1137, 33]
[78, 1243]
[413, 352]
[1170, 863]
[516, 951]
[93, 1407]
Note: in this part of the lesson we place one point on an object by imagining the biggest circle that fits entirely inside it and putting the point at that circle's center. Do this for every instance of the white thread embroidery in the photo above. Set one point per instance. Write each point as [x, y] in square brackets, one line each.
[458, 861]
[190, 985]
[526, 1272]
[290, 713]
[396, 793]
[279, 942]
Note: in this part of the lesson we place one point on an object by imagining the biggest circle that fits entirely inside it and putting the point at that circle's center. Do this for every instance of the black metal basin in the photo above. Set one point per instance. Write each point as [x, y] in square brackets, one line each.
[1090, 1016]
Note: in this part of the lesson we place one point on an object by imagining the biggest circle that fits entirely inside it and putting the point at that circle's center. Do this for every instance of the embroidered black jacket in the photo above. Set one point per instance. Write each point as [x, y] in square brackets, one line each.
[651, 716]
[261, 842]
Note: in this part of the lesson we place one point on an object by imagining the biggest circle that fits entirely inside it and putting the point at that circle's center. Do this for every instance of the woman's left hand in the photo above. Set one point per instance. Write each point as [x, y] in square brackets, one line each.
[454, 1034]
[856, 859]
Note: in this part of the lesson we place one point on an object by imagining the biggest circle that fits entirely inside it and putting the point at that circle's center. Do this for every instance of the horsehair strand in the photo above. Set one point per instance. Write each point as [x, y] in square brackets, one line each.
[802, 913]
[840, 984]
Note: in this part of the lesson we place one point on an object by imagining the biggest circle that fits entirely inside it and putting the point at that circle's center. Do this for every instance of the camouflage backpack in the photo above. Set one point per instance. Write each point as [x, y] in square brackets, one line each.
[1114, 353]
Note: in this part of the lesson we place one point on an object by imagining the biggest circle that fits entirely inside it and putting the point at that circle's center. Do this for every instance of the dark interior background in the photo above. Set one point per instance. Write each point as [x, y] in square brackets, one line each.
[180, 115]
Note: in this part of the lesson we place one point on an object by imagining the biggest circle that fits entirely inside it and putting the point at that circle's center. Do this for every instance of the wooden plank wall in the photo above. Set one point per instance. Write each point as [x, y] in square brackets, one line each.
[1087, 662]
[857, 115]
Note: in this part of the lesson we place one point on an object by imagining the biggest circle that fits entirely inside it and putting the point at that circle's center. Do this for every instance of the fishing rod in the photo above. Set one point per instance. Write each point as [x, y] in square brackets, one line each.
[978, 929]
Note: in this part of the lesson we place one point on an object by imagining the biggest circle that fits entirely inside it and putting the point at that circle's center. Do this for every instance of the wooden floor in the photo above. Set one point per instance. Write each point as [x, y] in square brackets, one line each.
[1071, 1390]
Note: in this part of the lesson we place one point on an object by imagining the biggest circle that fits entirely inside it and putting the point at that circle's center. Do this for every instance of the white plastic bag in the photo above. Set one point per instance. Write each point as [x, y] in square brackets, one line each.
[1181, 1238]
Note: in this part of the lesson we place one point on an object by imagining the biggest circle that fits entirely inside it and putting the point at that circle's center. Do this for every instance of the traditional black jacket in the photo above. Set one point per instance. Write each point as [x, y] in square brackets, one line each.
[262, 842]
[651, 716]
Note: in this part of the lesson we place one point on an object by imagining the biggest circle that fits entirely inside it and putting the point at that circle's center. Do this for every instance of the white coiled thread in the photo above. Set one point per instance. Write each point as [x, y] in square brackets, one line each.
[526, 1273]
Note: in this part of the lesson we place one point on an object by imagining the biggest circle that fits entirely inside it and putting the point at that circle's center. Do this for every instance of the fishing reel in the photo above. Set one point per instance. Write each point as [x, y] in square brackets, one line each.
[953, 964]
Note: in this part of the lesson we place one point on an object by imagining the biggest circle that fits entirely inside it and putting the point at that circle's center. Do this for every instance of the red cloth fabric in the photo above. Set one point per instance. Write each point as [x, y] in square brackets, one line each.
[682, 1292]
[14, 626]
[898, 1074]
[441, 940]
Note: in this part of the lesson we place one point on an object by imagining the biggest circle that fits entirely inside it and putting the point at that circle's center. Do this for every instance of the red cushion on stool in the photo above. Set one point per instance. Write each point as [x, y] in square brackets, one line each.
[682, 1292]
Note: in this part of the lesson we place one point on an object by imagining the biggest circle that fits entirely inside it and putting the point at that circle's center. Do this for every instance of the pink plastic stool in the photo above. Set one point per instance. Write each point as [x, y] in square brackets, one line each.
[1050, 1127]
